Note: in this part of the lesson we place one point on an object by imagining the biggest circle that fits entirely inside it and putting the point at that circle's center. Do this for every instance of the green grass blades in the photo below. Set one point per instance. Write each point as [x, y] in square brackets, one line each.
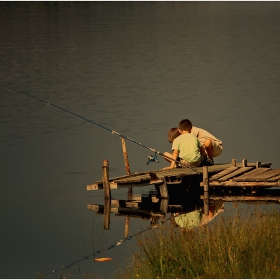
[237, 247]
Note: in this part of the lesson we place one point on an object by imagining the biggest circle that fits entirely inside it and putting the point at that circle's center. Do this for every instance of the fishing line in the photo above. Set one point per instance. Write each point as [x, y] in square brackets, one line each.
[151, 158]
[120, 242]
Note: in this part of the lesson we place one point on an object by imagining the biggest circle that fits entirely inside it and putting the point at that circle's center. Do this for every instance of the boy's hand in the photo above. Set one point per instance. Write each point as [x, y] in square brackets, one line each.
[167, 168]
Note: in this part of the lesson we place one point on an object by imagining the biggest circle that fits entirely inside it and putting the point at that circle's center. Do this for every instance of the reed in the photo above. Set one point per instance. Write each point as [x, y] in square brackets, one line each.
[243, 246]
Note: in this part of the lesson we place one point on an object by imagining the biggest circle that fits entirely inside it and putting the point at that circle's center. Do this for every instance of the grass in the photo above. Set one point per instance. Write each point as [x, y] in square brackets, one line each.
[243, 246]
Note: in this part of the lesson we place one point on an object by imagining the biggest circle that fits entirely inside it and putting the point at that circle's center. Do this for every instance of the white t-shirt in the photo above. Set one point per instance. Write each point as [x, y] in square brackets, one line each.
[202, 135]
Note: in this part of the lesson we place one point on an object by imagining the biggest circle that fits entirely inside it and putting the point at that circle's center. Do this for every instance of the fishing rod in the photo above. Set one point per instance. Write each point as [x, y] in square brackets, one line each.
[151, 158]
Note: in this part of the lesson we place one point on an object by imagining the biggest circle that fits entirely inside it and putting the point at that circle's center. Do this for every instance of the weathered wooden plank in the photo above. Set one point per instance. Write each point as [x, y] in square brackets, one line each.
[269, 174]
[94, 187]
[126, 203]
[223, 173]
[154, 179]
[134, 179]
[99, 186]
[235, 173]
[136, 197]
[274, 179]
[128, 185]
[233, 183]
[245, 198]
[95, 207]
[100, 208]
[251, 175]
[140, 214]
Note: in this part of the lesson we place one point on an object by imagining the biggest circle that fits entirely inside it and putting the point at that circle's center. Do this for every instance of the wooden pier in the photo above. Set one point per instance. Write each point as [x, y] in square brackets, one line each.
[183, 190]
[221, 176]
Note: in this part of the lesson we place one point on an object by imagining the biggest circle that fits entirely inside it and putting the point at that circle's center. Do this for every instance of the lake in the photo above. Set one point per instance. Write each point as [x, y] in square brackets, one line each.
[137, 68]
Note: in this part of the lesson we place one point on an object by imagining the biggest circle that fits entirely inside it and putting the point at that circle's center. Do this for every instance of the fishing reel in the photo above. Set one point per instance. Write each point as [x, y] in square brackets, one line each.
[152, 159]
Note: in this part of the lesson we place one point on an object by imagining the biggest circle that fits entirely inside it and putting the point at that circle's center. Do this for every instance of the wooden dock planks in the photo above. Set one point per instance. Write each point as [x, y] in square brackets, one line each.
[247, 176]
[223, 173]
[252, 175]
[235, 173]
[263, 175]
[240, 174]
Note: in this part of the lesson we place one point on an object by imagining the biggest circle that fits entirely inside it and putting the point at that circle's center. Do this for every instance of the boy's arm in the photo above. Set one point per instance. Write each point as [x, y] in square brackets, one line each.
[174, 156]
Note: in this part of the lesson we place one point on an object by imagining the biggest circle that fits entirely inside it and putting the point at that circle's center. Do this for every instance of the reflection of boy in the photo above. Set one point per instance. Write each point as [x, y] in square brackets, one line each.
[189, 220]
[186, 146]
[197, 218]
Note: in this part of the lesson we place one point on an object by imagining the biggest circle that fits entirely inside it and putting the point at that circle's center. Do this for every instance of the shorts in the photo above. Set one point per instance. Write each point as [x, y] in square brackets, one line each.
[217, 148]
[191, 164]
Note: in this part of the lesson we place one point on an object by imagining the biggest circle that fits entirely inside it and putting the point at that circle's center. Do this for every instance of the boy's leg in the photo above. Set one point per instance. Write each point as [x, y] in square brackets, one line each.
[167, 156]
[217, 149]
[208, 144]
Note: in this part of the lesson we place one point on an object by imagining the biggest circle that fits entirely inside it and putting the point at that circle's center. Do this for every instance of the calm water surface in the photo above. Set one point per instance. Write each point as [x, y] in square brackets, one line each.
[137, 68]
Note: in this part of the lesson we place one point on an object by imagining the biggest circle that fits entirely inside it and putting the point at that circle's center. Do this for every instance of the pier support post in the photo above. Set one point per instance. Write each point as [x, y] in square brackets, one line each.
[163, 189]
[126, 227]
[105, 179]
[164, 205]
[107, 211]
[206, 190]
[107, 194]
[125, 157]
[127, 169]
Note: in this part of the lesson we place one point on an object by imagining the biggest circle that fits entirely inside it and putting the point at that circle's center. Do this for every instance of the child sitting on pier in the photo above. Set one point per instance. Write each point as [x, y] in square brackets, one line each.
[185, 146]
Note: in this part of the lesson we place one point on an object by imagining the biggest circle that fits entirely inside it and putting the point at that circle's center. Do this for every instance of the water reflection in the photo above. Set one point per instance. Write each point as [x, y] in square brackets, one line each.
[147, 206]
[185, 213]
[196, 218]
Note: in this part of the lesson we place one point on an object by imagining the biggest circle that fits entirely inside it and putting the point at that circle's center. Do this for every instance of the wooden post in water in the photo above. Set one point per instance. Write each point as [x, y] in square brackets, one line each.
[105, 179]
[125, 157]
[206, 190]
[126, 164]
[126, 227]
[107, 193]
[129, 192]
[106, 215]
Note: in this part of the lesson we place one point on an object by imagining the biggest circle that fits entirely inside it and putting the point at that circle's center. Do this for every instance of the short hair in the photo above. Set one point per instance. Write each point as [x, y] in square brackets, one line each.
[185, 125]
[172, 134]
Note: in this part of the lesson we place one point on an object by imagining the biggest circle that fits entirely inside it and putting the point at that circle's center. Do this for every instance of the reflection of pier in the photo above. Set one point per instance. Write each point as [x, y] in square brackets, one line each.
[147, 207]
[143, 206]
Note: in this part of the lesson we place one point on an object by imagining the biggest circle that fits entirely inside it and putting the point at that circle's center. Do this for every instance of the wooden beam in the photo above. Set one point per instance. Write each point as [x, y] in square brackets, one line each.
[244, 198]
[206, 190]
[232, 183]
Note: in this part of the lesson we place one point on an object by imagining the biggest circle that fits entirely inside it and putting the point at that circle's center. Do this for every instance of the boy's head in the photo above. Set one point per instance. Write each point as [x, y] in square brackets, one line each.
[185, 125]
[172, 134]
